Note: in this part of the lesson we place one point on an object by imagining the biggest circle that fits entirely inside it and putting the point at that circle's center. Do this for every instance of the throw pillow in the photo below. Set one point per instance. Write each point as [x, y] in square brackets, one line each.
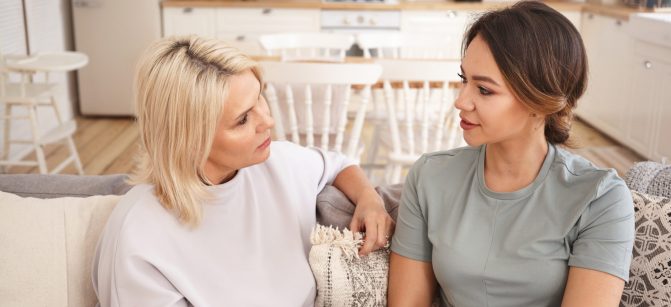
[344, 278]
[650, 178]
[46, 249]
[650, 273]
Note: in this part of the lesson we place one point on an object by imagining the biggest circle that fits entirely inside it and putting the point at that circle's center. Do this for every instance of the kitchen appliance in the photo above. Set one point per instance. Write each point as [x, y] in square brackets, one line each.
[113, 33]
[358, 21]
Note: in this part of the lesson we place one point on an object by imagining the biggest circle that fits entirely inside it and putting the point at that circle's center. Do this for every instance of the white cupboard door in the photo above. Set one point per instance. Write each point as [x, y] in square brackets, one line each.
[188, 20]
[242, 27]
[642, 107]
[605, 101]
[659, 76]
[447, 25]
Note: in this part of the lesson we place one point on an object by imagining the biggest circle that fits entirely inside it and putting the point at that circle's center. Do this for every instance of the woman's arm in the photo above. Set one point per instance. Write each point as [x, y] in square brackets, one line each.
[592, 288]
[411, 282]
[370, 214]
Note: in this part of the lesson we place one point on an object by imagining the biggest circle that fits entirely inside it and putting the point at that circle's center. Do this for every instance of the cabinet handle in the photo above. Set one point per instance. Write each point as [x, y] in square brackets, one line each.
[240, 38]
[590, 16]
[266, 11]
[618, 22]
[451, 14]
[187, 10]
[647, 64]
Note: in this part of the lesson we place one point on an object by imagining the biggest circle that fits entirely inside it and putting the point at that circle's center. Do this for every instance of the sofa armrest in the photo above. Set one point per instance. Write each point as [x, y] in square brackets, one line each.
[53, 186]
[335, 209]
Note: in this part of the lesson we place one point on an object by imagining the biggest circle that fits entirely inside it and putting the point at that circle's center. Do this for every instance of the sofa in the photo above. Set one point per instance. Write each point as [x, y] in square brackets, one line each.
[49, 225]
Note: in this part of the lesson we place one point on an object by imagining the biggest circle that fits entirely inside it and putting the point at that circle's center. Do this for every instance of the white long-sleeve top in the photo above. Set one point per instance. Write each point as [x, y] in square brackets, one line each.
[251, 248]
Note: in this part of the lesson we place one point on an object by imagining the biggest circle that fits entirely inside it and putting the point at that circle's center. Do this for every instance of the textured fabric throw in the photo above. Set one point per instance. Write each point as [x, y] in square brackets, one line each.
[344, 278]
[650, 273]
[651, 178]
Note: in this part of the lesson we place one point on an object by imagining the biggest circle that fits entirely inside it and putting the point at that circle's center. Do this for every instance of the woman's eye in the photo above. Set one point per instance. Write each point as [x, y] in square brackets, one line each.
[463, 79]
[484, 91]
[243, 120]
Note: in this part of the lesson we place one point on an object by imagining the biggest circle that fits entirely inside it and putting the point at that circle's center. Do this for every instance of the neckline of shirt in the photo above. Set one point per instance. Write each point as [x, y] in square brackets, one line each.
[521, 193]
[221, 190]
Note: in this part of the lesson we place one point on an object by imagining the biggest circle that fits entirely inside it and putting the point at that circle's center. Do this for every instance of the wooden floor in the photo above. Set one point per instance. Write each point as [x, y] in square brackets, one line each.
[108, 146]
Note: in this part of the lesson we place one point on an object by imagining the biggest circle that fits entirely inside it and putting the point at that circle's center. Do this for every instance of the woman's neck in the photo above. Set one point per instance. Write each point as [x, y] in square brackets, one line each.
[217, 176]
[512, 165]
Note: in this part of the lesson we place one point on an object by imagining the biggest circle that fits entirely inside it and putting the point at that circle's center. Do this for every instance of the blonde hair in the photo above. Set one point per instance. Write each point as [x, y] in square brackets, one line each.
[181, 83]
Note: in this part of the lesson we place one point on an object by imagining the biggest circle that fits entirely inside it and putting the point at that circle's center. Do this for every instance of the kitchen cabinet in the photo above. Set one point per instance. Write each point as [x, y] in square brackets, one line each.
[609, 55]
[241, 27]
[449, 25]
[189, 20]
[649, 124]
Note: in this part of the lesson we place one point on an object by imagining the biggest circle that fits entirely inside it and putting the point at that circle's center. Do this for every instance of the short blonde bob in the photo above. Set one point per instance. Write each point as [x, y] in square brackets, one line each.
[181, 84]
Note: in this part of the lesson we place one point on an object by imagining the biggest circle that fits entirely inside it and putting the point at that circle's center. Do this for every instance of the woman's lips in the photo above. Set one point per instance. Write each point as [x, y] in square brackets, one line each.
[265, 144]
[466, 125]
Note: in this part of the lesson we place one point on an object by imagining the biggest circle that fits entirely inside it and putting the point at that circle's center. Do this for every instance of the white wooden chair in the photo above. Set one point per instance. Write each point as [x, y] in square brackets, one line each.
[416, 46]
[309, 102]
[315, 46]
[30, 96]
[422, 117]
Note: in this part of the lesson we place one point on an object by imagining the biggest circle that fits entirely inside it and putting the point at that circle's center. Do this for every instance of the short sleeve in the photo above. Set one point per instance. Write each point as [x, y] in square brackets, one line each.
[313, 167]
[411, 235]
[334, 163]
[606, 231]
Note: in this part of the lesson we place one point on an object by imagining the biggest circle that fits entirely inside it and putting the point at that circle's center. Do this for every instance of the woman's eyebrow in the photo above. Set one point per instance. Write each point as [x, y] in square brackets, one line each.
[480, 78]
[484, 79]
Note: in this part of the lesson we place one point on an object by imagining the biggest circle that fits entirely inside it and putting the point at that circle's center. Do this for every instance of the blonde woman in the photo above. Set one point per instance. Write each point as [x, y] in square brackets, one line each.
[221, 214]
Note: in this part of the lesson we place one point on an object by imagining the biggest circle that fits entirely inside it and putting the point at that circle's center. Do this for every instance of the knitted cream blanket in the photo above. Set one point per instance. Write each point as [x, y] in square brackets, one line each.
[344, 278]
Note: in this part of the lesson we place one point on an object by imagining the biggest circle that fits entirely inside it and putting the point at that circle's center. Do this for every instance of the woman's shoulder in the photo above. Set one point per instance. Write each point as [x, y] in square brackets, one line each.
[137, 211]
[587, 186]
[466, 153]
[456, 157]
[576, 170]
[283, 150]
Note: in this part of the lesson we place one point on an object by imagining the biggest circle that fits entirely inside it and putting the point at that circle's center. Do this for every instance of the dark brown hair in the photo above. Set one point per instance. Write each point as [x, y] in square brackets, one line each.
[541, 56]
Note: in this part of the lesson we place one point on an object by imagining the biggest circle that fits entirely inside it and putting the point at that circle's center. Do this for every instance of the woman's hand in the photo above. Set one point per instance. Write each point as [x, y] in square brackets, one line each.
[371, 217]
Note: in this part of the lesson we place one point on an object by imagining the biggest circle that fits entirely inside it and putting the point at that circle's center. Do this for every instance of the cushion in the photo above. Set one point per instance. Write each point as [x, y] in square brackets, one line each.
[335, 209]
[650, 178]
[343, 277]
[47, 247]
[51, 186]
[650, 273]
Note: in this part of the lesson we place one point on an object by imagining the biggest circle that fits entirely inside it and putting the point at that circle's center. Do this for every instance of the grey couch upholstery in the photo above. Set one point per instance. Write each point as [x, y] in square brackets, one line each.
[333, 207]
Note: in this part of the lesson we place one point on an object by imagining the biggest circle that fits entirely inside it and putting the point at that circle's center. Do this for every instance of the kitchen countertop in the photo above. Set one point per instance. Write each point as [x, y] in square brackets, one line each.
[616, 11]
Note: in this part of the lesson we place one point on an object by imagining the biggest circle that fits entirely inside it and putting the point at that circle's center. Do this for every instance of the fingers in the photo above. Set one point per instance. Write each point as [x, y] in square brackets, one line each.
[378, 234]
[369, 243]
[354, 225]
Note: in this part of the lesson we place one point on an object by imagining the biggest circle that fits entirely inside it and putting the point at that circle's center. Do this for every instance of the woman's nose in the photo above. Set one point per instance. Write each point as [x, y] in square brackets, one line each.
[267, 121]
[463, 101]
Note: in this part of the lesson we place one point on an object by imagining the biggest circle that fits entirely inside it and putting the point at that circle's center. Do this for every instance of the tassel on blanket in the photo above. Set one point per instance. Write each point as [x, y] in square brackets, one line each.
[346, 240]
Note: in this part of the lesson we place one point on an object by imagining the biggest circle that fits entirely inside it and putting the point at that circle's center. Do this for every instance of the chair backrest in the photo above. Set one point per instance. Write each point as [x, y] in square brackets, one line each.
[322, 46]
[313, 98]
[409, 46]
[420, 104]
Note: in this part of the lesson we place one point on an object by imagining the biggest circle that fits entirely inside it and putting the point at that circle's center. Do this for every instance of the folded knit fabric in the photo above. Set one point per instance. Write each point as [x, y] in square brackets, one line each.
[344, 278]
[651, 178]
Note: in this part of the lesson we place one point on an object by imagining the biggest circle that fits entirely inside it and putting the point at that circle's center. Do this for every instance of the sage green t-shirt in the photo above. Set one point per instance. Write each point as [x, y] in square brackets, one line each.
[513, 249]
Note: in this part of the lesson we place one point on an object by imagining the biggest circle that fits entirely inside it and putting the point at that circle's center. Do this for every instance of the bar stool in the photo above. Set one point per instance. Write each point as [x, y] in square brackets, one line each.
[28, 95]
